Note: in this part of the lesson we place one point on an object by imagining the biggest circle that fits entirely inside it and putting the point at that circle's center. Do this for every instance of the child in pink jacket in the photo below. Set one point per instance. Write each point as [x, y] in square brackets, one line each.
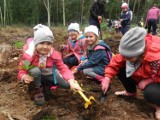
[76, 46]
[48, 67]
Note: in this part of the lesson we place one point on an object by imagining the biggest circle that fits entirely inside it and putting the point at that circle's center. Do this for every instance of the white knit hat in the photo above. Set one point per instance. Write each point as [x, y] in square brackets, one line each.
[42, 33]
[73, 26]
[124, 5]
[93, 29]
[132, 43]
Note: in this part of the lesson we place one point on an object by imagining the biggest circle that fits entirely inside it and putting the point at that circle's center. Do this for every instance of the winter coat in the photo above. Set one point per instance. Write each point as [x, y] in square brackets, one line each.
[54, 58]
[145, 70]
[98, 58]
[95, 11]
[153, 13]
[126, 16]
[78, 48]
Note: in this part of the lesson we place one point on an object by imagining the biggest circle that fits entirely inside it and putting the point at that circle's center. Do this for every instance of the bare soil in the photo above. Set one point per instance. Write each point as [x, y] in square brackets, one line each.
[15, 103]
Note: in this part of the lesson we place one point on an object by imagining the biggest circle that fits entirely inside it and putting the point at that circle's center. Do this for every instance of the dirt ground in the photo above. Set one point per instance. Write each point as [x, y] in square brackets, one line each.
[15, 103]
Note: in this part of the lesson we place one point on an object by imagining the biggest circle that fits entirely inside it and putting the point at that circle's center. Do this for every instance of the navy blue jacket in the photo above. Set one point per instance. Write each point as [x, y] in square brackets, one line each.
[97, 58]
[126, 16]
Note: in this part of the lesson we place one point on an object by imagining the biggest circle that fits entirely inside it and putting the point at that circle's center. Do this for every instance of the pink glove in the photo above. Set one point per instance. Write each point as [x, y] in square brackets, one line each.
[105, 84]
[143, 83]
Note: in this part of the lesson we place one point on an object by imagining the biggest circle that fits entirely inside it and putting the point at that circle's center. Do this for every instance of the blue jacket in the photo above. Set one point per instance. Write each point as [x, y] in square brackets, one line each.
[98, 57]
[126, 16]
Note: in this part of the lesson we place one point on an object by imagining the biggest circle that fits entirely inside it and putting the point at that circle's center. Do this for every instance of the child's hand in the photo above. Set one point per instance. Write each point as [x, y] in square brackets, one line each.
[121, 20]
[62, 47]
[105, 84]
[74, 85]
[27, 79]
[74, 71]
[83, 61]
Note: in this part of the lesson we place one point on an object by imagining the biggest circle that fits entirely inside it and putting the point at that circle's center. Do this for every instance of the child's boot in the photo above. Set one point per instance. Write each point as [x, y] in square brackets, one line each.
[39, 97]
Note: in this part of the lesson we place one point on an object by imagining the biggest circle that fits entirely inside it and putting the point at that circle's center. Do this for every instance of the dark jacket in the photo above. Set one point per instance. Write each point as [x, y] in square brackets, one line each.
[95, 11]
[126, 16]
[98, 57]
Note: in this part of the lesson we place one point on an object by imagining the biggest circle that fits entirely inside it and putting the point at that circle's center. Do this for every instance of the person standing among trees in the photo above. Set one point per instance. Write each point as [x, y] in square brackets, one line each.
[152, 19]
[96, 12]
[125, 18]
[138, 64]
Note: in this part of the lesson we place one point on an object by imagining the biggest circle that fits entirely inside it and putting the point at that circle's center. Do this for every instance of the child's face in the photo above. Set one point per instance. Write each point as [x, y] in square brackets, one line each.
[91, 38]
[44, 48]
[124, 9]
[73, 34]
[134, 59]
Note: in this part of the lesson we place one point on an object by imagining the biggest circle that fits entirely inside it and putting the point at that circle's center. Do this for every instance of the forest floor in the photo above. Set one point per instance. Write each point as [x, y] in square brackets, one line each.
[15, 103]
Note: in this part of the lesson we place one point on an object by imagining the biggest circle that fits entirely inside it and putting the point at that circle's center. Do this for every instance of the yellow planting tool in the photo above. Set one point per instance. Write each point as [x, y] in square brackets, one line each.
[88, 101]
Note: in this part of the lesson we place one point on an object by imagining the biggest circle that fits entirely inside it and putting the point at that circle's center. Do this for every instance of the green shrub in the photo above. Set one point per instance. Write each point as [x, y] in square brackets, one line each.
[19, 44]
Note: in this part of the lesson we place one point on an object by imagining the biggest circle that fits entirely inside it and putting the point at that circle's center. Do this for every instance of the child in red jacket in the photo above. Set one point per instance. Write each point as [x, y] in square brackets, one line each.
[138, 64]
[48, 67]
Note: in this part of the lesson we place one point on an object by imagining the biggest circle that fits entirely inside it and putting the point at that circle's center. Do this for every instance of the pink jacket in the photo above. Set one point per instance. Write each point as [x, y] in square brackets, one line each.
[153, 13]
[78, 50]
[55, 58]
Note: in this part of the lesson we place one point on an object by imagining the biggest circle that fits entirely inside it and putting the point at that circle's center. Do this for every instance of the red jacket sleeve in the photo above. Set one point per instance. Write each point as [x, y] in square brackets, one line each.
[21, 71]
[115, 64]
[62, 68]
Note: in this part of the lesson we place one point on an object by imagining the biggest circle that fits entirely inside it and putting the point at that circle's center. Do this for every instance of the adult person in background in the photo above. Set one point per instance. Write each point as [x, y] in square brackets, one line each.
[152, 19]
[138, 64]
[125, 18]
[96, 12]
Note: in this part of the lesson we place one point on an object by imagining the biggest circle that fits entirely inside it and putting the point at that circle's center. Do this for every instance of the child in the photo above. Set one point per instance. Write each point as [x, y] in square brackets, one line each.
[98, 56]
[48, 65]
[140, 23]
[138, 64]
[75, 47]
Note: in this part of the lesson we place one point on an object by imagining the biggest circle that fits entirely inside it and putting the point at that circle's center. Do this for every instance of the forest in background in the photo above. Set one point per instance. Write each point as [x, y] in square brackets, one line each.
[63, 12]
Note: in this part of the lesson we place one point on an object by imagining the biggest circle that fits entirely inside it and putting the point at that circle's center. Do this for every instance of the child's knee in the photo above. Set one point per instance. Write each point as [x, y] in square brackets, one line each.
[85, 72]
[35, 71]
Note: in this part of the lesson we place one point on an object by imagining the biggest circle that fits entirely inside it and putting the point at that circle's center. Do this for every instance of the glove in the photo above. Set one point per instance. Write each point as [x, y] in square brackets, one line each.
[74, 85]
[143, 83]
[105, 84]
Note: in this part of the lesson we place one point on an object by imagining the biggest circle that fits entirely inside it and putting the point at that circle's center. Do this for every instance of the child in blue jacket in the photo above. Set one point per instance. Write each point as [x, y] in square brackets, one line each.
[98, 56]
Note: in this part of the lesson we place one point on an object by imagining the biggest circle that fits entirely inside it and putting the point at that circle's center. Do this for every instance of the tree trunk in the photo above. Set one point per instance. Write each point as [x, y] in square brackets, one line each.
[1, 16]
[128, 2]
[48, 8]
[134, 7]
[4, 17]
[57, 10]
[64, 21]
[82, 11]
[139, 3]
